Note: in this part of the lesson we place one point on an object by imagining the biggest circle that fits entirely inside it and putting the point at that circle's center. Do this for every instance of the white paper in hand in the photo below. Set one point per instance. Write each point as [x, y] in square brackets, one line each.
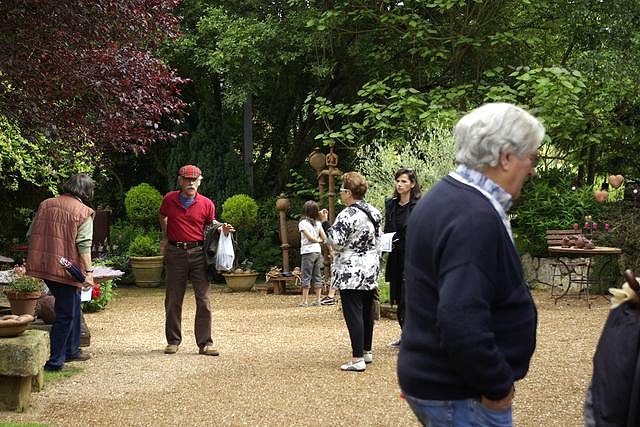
[85, 295]
[386, 242]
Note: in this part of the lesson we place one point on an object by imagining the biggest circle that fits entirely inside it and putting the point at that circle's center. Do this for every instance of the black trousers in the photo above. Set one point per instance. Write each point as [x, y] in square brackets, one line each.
[357, 308]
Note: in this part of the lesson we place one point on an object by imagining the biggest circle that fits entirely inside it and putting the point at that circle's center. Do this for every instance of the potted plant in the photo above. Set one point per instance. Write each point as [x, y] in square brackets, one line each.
[23, 292]
[142, 204]
[241, 211]
[146, 261]
[242, 278]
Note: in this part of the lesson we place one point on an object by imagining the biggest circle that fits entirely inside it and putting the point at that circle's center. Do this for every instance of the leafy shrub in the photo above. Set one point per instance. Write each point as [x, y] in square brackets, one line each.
[429, 152]
[142, 204]
[261, 242]
[548, 203]
[241, 211]
[19, 281]
[103, 293]
[144, 245]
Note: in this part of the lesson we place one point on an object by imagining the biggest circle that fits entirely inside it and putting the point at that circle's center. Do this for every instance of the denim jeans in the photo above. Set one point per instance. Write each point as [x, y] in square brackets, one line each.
[458, 413]
[65, 331]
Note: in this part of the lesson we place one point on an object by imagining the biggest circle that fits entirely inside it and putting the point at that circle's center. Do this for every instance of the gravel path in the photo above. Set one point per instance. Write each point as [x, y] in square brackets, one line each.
[279, 365]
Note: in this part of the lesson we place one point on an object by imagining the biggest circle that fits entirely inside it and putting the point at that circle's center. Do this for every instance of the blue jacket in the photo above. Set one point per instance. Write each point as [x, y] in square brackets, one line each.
[470, 326]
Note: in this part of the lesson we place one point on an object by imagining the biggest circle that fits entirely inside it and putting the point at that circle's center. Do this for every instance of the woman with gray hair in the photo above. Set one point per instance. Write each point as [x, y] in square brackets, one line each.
[63, 227]
[355, 238]
[470, 324]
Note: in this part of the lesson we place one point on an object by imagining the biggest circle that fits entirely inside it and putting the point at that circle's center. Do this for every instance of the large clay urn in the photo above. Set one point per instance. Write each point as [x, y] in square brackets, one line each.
[23, 302]
[147, 270]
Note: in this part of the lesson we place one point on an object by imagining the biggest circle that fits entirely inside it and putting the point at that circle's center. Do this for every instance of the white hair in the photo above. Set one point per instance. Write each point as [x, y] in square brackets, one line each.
[482, 134]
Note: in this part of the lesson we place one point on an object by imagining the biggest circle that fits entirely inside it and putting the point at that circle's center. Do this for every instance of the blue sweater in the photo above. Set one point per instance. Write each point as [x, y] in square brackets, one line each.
[470, 326]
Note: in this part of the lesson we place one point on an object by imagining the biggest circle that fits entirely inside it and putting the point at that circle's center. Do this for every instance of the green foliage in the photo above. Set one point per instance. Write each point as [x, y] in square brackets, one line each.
[429, 152]
[144, 245]
[107, 294]
[142, 204]
[52, 377]
[241, 211]
[261, 243]
[24, 284]
[549, 203]
[43, 162]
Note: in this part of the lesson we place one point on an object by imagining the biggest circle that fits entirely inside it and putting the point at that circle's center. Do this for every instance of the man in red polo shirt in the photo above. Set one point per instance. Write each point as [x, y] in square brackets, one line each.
[183, 216]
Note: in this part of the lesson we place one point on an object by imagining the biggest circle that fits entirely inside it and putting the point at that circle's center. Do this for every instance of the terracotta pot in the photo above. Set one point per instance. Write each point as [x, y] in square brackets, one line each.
[45, 309]
[23, 302]
[147, 270]
[13, 325]
[240, 281]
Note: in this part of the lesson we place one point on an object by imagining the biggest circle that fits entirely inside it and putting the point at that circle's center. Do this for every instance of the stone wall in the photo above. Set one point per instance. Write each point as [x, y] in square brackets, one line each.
[539, 272]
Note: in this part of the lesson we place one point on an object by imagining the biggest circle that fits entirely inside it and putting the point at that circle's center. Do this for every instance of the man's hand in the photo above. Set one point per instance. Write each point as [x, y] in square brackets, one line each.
[227, 228]
[499, 405]
[88, 282]
[163, 245]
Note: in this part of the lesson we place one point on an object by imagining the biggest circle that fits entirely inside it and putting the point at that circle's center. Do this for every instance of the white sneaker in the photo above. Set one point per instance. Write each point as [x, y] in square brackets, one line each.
[367, 356]
[358, 366]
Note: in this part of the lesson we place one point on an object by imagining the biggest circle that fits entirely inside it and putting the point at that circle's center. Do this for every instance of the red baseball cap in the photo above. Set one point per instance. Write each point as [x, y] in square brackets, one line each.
[190, 171]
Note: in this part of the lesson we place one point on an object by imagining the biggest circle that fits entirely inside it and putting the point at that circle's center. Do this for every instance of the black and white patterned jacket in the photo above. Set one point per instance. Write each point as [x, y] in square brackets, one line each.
[353, 236]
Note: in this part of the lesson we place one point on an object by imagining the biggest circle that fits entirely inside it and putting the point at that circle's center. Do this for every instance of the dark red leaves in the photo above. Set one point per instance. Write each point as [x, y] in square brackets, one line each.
[85, 70]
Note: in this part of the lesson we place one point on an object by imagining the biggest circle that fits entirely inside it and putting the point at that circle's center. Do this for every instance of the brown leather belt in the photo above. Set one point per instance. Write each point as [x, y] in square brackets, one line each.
[186, 245]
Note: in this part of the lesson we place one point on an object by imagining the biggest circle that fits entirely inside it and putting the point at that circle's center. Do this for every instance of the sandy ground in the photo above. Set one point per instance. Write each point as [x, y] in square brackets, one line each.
[279, 365]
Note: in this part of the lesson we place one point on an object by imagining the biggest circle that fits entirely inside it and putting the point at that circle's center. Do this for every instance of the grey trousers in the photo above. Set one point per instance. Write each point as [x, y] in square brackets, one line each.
[184, 265]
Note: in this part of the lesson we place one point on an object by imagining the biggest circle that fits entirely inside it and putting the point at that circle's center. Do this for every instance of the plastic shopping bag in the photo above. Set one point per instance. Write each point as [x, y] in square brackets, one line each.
[224, 254]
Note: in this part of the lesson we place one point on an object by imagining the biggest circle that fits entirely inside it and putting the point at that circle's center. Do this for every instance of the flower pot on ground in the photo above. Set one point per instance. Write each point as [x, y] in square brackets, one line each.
[23, 292]
[146, 261]
[241, 281]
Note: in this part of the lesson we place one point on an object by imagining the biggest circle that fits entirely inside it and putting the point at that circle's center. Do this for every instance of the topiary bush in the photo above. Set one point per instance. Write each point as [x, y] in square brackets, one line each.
[142, 204]
[241, 211]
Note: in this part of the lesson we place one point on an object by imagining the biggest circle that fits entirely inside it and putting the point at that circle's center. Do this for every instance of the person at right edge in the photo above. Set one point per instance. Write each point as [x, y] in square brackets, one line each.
[470, 324]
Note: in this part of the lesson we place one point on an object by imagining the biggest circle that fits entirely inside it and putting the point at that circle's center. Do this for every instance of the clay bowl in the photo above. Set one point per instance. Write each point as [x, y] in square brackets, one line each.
[12, 325]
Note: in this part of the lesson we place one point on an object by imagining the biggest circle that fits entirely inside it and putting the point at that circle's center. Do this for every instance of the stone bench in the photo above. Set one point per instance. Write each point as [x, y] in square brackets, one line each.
[22, 359]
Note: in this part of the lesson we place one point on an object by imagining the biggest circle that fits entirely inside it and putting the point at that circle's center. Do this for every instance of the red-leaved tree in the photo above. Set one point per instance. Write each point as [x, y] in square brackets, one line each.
[85, 71]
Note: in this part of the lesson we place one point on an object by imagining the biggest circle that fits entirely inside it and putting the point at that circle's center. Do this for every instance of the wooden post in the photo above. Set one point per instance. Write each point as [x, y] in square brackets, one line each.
[332, 162]
[283, 204]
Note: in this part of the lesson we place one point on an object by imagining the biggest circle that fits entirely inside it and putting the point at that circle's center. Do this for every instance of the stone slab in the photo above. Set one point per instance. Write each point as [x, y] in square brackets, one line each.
[15, 393]
[24, 355]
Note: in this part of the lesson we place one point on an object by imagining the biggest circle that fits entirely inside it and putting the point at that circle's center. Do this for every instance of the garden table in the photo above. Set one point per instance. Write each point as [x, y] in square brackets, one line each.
[100, 274]
[588, 254]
